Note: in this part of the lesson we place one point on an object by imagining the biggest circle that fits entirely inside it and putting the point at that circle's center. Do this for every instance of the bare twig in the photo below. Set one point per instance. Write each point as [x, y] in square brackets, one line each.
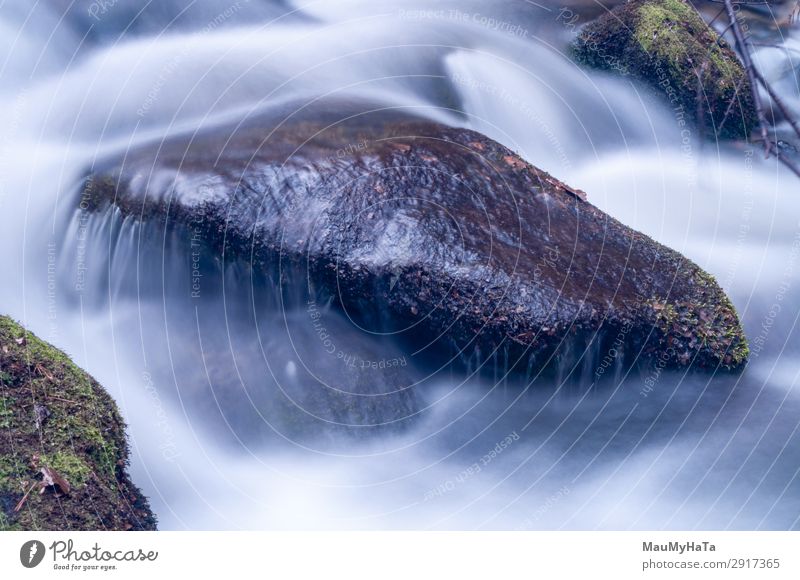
[776, 46]
[773, 149]
[744, 53]
[723, 33]
[720, 13]
[62, 399]
[779, 103]
[24, 497]
[785, 160]
[755, 78]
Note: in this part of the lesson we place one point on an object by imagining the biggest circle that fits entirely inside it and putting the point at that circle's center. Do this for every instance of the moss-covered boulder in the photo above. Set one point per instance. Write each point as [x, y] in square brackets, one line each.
[668, 45]
[63, 451]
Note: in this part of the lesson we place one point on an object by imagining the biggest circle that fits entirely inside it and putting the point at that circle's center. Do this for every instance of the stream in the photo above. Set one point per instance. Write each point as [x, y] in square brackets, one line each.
[648, 450]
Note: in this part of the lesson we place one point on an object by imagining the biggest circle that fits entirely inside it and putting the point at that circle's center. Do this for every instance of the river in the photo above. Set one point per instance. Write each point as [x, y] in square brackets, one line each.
[657, 450]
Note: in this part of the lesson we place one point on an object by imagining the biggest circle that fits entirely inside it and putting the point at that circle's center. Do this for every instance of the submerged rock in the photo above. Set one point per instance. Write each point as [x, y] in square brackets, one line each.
[667, 44]
[63, 450]
[436, 236]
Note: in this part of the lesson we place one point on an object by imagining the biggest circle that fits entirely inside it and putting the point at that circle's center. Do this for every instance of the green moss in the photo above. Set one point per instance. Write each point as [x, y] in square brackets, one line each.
[6, 414]
[11, 473]
[58, 416]
[69, 466]
[668, 29]
[104, 452]
[669, 46]
[6, 525]
[707, 324]
[73, 380]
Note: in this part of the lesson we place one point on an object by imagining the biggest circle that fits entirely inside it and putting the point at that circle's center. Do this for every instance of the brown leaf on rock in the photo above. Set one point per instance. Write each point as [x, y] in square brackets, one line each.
[51, 478]
[515, 162]
[39, 369]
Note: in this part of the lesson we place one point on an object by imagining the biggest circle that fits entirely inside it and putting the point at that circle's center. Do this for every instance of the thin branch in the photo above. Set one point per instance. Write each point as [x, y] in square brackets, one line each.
[780, 104]
[723, 33]
[24, 497]
[789, 163]
[755, 78]
[785, 160]
[777, 46]
[744, 53]
[720, 13]
[63, 399]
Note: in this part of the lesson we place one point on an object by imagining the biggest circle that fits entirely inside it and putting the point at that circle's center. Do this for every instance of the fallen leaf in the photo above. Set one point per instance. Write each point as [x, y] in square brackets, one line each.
[51, 478]
[39, 369]
[515, 162]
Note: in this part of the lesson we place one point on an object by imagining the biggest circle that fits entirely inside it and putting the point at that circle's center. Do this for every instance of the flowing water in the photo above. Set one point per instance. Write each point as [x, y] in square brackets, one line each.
[647, 450]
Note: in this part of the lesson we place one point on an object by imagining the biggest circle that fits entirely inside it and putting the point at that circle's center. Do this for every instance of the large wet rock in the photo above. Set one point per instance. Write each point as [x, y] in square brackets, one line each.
[63, 451]
[438, 237]
[667, 44]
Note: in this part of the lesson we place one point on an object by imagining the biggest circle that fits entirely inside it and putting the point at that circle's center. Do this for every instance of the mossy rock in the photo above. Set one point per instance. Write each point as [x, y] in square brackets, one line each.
[55, 416]
[667, 44]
